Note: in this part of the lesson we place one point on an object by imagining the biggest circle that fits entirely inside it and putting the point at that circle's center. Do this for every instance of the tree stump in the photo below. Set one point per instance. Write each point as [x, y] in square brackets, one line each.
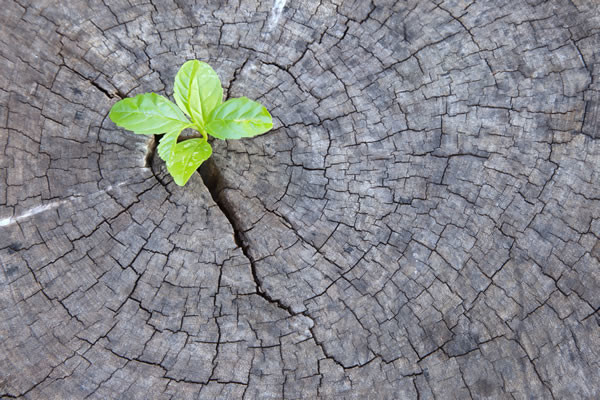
[423, 222]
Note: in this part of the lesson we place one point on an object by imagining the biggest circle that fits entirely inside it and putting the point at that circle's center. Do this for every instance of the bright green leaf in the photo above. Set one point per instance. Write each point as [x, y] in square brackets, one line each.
[197, 90]
[186, 157]
[167, 144]
[239, 118]
[148, 113]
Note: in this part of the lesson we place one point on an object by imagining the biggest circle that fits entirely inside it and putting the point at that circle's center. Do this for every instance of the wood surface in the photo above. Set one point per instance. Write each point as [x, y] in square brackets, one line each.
[422, 223]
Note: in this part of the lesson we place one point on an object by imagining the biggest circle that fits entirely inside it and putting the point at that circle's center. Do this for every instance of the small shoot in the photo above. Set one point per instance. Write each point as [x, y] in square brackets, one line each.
[199, 97]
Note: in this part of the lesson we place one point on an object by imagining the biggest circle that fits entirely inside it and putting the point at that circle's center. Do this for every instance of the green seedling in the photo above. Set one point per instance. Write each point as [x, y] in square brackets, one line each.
[198, 93]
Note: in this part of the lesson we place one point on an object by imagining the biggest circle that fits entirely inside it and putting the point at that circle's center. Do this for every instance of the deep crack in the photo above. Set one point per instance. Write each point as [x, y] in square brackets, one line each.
[214, 182]
[151, 150]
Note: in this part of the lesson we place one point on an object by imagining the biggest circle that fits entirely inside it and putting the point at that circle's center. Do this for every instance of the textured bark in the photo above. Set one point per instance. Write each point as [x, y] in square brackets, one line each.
[423, 222]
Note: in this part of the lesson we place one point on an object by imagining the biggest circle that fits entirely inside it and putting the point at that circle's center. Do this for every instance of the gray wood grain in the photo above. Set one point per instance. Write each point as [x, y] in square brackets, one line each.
[423, 222]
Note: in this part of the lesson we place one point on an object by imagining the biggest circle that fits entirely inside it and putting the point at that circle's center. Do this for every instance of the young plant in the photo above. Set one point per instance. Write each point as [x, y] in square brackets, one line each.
[198, 93]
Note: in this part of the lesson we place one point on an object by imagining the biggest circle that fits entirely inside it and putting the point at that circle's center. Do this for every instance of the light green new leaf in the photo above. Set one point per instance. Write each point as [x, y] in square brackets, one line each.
[167, 144]
[186, 157]
[148, 113]
[239, 118]
[197, 90]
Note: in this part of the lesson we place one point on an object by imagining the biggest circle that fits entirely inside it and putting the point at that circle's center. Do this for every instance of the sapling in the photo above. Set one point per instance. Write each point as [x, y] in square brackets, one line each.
[199, 95]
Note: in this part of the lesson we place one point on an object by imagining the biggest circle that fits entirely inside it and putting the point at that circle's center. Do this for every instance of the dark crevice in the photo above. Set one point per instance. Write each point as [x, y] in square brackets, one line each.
[108, 94]
[215, 183]
[150, 152]
[153, 163]
[213, 180]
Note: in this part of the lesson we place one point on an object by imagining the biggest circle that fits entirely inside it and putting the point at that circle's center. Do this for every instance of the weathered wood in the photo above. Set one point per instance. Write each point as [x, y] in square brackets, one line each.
[424, 221]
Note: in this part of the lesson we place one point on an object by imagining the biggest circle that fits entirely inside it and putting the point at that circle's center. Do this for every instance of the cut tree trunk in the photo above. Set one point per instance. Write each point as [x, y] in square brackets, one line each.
[423, 222]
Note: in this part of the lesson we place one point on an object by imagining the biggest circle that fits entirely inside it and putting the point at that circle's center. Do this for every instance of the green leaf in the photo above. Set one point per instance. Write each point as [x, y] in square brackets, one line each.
[197, 90]
[148, 113]
[167, 144]
[186, 157]
[238, 118]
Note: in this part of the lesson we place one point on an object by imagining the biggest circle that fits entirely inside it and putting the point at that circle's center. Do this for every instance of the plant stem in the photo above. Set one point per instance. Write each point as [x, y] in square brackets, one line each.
[202, 131]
